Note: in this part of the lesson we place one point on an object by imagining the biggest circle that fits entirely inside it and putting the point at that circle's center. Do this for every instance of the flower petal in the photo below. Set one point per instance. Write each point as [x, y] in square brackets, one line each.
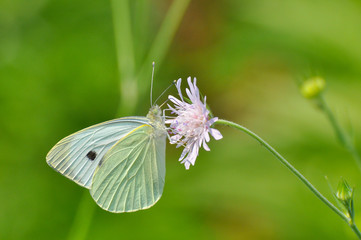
[193, 154]
[190, 84]
[184, 153]
[196, 90]
[213, 120]
[175, 100]
[172, 109]
[187, 164]
[206, 137]
[215, 133]
[178, 85]
[191, 96]
[205, 146]
[200, 143]
[175, 138]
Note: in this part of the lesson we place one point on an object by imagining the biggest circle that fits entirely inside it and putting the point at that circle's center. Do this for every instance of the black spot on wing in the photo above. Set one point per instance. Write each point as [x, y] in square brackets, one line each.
[91, 155]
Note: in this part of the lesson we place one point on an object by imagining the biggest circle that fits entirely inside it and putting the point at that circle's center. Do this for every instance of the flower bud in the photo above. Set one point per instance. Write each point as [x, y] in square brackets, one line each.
[312, 87]
[344, 194]
[344, 191]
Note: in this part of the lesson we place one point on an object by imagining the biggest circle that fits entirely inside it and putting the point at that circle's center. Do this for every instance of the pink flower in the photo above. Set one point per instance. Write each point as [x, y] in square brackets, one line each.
[191, 127]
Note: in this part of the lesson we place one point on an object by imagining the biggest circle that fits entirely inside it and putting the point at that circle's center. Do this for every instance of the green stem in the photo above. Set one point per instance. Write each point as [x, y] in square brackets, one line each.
[355, 230]
[125, 55]
[289, 166]
[162, 40]
[340, 132]
[82, 220]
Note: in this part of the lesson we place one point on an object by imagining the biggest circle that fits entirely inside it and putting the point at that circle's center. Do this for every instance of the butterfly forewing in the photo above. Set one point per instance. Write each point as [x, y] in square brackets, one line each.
[78, 155]
[132, 173]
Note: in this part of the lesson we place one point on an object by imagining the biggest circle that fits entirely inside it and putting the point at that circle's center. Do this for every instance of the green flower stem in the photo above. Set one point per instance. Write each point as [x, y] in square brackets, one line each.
[293, 170]
[355, 230]
[83, 217]
[343, 137]
[162, 41]
[125, 55]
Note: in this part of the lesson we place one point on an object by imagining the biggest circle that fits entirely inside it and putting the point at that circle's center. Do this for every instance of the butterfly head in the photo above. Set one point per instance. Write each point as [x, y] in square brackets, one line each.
[155, 117]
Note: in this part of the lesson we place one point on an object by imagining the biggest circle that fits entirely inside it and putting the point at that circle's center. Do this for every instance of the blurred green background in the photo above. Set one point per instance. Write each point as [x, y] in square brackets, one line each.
[59, 74]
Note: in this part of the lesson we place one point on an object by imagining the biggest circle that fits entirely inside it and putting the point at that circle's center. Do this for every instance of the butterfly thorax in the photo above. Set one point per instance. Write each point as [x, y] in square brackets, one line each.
[156, 120]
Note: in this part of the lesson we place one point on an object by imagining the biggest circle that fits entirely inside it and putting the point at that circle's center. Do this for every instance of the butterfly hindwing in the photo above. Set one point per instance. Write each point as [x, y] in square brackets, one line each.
[77, 156]
[132, 173]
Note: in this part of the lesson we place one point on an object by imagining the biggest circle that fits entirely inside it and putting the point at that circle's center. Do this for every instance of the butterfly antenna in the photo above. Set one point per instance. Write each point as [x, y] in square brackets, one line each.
[173, 83]
[164, 103]
[151, 86]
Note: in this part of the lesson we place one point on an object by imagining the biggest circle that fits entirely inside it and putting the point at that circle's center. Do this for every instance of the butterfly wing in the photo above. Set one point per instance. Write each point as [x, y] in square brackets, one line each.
[78, 155]
[131, 177]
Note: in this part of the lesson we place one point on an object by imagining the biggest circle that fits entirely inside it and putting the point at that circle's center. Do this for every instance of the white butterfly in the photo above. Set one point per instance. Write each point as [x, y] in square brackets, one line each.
[121, 161]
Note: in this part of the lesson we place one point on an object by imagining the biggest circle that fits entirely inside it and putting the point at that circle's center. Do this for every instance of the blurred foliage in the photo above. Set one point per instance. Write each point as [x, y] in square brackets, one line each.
[58, 74]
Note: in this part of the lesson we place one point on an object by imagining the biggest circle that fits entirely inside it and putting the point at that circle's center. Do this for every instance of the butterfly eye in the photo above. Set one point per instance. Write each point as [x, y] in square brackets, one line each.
[91, 155]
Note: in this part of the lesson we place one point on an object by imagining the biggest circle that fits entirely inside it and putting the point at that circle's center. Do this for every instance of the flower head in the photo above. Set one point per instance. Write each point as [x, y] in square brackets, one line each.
[344, 195]
[192, 125]
[313, 87]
